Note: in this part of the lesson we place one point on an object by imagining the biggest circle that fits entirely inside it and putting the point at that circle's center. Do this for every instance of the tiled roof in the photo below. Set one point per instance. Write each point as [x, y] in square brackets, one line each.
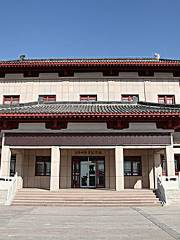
[89, 62]
[89, 108]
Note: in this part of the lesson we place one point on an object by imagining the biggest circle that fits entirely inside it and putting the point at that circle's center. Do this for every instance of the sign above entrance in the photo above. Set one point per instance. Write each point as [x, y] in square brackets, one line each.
[88, 152]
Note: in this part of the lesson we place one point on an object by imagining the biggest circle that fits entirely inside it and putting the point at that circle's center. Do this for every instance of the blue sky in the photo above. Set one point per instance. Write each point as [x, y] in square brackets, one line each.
[89, 28]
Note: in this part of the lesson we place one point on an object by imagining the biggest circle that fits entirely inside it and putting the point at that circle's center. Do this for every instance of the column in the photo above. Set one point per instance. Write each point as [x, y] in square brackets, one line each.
[19, 167]
[157, 167]
[55, 168]
[119, 168]
[5, 161]
[150, 157]
[170, 160]
[19, 162]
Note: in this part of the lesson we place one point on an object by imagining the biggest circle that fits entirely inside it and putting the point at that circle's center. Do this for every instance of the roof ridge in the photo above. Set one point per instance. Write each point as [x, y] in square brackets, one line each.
[84, 59]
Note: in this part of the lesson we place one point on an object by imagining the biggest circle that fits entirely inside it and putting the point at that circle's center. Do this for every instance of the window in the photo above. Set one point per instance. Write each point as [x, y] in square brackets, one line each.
[47, 98]
[163, 165]
[177, 164]
[166, 99]
[129, 98]
[146, 73]
[11, 100]
[13, 166]
[132, 166]
[88, 98]
[31, 74]
[43, 166]
[2, 75]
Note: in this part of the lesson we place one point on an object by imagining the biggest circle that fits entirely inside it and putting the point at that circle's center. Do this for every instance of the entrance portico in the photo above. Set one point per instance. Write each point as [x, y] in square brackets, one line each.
[112, 167]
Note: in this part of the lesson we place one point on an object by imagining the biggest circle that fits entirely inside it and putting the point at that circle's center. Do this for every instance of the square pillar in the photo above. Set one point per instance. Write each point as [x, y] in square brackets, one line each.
[170, 160]
[19, 162]
[19, 167]
[119, 168]
[151, 164]
[157, 167]
[55, 168]
[5, 161]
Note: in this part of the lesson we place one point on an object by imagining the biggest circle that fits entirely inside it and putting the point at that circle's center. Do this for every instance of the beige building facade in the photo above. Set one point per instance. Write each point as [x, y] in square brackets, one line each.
[97, 125]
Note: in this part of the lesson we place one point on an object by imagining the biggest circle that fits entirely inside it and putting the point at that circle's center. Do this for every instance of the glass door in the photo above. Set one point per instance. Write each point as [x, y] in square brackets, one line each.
[88, 174]
[84, 177]
[88, 171]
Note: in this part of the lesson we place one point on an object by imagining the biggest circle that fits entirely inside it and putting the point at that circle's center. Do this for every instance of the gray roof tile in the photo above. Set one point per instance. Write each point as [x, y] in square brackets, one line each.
[89, 108]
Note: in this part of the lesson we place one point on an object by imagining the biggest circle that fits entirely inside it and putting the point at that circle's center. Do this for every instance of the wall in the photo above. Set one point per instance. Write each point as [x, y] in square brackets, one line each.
[29, 178]
[106, 88]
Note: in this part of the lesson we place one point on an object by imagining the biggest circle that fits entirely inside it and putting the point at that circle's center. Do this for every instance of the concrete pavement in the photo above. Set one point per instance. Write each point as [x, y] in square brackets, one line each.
[89, 223]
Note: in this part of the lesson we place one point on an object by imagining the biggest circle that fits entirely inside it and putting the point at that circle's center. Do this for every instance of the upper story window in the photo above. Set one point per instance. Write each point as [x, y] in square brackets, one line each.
[11, 100]
[146, 73]
[47, 98]
[166, 99]
[31, 74]
[129, 98]
[2, 75]
[88, 98]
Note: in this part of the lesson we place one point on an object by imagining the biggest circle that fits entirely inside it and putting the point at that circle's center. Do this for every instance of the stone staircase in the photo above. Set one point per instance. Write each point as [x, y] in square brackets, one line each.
[85, 197]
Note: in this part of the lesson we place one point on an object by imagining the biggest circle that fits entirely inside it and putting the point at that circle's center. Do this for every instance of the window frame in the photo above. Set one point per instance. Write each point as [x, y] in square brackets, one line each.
[132, 160]
[43, 160]
[165, 99]
[129, 97]
[88, 97]
[47, 98]
[11, 99]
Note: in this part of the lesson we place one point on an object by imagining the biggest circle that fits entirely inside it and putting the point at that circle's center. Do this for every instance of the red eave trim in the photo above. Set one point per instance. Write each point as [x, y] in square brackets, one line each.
[105, 63]
[84, 115]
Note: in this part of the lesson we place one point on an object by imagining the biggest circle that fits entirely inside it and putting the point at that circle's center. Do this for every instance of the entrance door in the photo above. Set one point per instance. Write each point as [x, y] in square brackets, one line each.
[88, 171]
[88, 174]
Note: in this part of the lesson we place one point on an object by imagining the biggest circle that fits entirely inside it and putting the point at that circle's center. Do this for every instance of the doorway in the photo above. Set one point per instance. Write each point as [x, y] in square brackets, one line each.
[88, 172]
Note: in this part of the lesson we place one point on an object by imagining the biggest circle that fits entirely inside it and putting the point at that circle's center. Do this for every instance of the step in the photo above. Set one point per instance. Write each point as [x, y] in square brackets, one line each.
[88, 205]
[73, 197]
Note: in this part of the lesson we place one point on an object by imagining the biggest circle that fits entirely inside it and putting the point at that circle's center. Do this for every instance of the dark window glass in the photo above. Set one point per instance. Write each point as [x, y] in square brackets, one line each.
[43, 166]
[146, 73]
[13, 166]
[177, 163]
[31, 74]
[2, 75]
[132, 166]
[163, 165]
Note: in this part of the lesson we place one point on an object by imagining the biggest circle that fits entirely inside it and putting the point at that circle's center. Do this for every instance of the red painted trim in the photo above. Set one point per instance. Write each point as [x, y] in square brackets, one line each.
[24, 64]
[84, 115]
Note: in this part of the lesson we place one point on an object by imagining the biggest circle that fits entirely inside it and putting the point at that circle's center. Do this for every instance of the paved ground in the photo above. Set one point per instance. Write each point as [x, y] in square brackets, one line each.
[89, 223]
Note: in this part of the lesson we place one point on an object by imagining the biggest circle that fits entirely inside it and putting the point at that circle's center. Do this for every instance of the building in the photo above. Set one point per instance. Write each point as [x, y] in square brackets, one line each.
[90, 123]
